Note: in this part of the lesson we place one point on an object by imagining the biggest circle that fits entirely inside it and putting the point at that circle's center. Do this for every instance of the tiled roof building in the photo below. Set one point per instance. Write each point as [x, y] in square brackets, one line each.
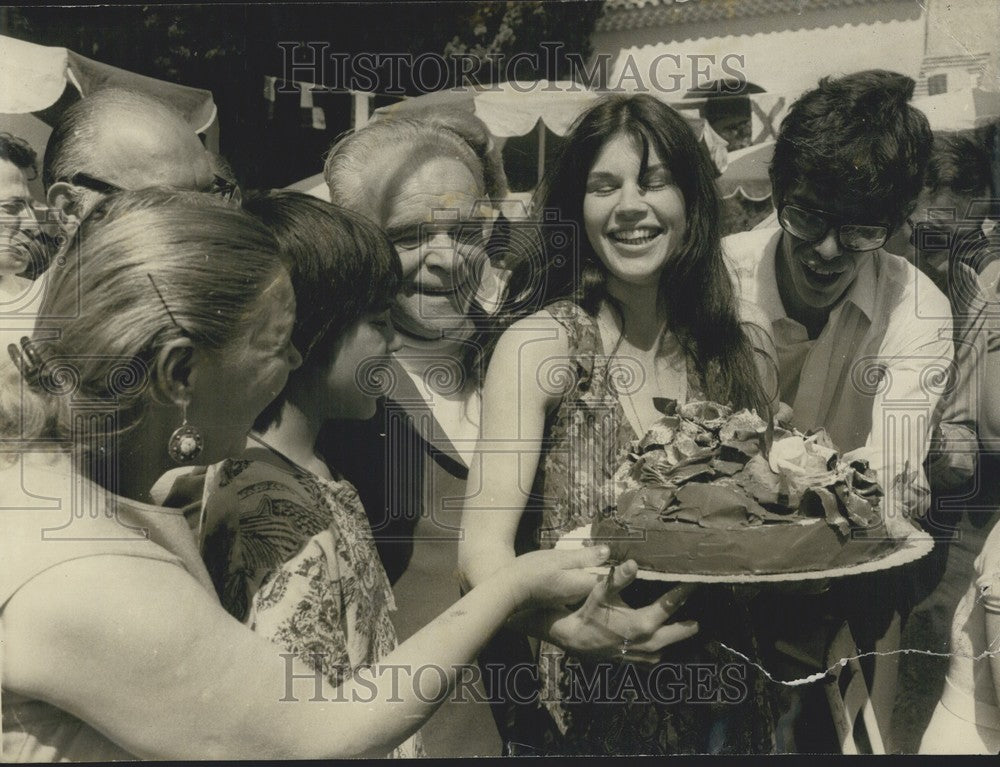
[637, 14]
[675, 46]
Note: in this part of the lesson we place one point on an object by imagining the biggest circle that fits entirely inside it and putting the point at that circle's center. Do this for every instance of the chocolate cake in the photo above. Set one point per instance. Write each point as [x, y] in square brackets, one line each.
[712, 492]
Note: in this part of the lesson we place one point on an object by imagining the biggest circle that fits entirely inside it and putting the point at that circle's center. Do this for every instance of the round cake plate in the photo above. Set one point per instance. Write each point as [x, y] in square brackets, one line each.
[910, 549]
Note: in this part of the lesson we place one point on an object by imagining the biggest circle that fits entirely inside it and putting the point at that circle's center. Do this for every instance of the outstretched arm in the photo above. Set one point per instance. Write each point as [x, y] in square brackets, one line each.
[155, 664]
[516, 399]
[528, 375]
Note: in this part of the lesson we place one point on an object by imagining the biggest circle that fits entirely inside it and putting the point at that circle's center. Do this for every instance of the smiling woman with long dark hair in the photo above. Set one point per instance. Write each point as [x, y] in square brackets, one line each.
[638, 306]
[695, 295]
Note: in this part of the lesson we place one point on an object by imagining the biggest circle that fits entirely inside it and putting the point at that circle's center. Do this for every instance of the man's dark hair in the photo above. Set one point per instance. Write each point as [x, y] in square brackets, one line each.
[856, 138]
[19, 152]
[960, 164]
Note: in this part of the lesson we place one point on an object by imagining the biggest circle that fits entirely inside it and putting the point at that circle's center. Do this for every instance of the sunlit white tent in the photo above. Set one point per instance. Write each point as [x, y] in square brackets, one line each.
[746, 174]
[509, 108]
[38, 82]
[515, 109]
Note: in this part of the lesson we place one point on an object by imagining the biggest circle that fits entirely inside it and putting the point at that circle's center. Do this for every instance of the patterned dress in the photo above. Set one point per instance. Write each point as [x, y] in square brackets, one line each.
[703, 698]
[292, 557]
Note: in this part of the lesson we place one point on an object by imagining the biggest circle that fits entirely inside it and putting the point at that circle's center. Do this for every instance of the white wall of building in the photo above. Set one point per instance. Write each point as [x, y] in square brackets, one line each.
[961, 29]
[780, 53]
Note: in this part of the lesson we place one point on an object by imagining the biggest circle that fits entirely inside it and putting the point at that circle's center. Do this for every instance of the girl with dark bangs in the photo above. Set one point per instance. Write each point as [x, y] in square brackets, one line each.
[628, 300]
[286, 538]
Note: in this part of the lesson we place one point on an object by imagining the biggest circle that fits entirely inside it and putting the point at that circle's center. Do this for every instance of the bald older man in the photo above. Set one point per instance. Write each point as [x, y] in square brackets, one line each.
[117, 139]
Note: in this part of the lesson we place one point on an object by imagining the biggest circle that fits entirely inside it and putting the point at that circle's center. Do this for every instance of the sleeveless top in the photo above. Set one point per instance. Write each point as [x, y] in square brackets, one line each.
[587, 437]
[48, 517]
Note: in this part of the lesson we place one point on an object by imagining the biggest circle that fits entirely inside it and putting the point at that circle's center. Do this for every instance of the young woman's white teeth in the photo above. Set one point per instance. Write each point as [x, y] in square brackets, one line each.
[634, 236]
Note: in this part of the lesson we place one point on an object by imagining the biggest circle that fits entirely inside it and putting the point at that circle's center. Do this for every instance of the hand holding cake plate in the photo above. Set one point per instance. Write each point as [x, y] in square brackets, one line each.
[604, 627]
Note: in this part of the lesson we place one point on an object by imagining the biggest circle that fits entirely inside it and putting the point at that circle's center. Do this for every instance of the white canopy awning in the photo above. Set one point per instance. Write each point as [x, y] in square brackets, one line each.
[34, 78]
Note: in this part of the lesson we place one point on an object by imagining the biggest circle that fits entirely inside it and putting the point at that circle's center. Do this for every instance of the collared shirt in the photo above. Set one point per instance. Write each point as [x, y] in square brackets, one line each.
[875, 374]
[444, 403]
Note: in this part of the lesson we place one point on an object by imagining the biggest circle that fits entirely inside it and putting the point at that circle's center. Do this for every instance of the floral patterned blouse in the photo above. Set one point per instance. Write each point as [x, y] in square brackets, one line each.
[587, 437]
[291, 555]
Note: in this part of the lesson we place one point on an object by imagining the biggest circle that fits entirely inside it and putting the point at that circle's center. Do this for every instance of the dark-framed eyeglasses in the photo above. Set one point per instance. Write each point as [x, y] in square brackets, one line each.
[814, 225]
[94, 184]
[221, 187]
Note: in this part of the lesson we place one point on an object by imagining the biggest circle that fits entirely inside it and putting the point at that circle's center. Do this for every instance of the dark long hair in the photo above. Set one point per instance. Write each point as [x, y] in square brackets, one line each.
[342, 267]
[695, 288]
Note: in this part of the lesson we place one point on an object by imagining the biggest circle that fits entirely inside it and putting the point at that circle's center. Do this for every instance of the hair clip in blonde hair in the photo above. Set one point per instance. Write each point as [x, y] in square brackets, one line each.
[163, 301]
[27, 359]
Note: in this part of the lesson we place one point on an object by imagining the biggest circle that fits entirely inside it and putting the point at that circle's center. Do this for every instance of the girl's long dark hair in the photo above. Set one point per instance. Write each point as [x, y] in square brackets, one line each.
[695, 289]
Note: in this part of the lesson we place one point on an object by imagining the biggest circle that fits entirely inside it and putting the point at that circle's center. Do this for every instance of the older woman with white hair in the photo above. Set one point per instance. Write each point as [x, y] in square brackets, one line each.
[429, 182]
[432, 182]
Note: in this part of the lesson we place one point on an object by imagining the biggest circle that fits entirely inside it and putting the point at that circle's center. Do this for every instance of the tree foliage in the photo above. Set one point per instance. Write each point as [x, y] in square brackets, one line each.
[505, 28]
[228, 49]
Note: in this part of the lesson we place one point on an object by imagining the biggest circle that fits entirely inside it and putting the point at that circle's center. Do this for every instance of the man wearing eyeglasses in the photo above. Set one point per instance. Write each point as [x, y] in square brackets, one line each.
[116, 139]
[863, 338]
[858, 330]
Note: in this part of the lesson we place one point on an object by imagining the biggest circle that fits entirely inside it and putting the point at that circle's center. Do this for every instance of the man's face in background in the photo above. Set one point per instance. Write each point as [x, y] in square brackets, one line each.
[134, 149]
[940, 228]
[24, 242]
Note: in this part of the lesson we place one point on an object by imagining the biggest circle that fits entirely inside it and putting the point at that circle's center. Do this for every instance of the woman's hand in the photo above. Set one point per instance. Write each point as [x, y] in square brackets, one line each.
[553, 577]
[605, 627]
